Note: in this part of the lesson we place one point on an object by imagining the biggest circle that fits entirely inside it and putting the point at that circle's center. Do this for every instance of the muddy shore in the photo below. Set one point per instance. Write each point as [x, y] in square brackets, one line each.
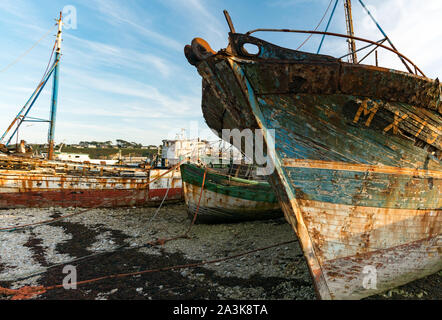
[118, 241]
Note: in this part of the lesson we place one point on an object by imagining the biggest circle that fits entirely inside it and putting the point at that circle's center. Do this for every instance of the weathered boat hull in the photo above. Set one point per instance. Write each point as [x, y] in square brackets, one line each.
[42, 188]
[357, 157]
[227, 199]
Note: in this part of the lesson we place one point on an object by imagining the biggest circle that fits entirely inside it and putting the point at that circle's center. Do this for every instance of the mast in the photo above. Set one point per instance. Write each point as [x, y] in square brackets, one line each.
[350, 31]
[385, 35]
[55, 91]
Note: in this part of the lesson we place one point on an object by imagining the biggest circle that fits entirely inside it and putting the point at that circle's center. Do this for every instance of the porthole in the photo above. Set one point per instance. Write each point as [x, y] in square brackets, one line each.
[250, 49]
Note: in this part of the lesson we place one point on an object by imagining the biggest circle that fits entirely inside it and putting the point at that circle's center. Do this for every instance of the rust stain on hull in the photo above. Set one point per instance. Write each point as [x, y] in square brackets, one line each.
[35, 183]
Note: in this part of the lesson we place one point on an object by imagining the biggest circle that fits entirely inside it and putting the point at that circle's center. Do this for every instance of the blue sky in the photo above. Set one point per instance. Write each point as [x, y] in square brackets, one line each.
[123, 73]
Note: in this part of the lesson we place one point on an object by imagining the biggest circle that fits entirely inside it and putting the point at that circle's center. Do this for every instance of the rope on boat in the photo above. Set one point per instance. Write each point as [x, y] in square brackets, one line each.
[19, 118]
[27, 51]
[320, 22]
[199, 202]
[164, 198]
[326, 27]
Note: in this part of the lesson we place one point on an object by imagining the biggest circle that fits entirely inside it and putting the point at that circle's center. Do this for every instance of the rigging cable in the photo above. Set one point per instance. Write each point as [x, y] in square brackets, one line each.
[320, 22]
[29, 104]
[27, 51]
[328, 24]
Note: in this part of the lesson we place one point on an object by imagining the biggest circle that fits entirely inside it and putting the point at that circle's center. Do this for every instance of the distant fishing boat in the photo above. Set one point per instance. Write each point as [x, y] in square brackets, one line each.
[226, 198]
[357, 154]
[30, 182]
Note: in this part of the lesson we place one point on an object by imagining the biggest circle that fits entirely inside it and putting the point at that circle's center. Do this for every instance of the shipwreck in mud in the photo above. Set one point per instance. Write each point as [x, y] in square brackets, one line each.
[357, 154]
[222, 196]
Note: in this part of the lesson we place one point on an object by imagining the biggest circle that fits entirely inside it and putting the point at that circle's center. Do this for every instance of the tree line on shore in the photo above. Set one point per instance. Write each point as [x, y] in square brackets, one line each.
[106, 149]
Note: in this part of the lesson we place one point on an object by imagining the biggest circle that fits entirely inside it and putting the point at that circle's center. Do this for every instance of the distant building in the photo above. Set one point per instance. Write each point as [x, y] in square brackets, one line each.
[149, 147]
[76, 157]
[82, 157]
[198, 150]
[174, 151]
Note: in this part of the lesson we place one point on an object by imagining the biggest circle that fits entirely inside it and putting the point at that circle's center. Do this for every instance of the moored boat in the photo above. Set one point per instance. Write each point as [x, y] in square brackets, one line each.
[356, 149]
[226, 198]
[26, 183]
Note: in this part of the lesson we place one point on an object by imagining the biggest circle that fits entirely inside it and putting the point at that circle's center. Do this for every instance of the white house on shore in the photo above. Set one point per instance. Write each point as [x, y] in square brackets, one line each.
[82, 157]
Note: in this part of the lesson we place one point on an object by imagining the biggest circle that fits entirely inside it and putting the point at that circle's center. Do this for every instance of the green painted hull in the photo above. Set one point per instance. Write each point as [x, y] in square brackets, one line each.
[225, 198]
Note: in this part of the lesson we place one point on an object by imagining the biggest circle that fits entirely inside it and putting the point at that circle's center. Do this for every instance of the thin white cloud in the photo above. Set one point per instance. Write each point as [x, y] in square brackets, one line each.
[289, 3]
[179, 105]
[109, 55]
[414, 27]
[118, 14]
[16, 8]
[213, 28]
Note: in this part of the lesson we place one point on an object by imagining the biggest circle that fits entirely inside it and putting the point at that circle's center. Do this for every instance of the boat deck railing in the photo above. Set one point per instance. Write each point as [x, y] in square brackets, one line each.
[377, 44]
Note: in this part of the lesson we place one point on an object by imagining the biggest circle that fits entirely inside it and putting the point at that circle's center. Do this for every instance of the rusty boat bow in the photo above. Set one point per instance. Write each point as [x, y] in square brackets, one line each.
[357, 156]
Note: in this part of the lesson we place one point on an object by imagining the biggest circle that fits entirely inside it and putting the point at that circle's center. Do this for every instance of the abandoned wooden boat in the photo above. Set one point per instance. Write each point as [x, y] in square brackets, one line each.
[226, 198]
[31, 182]
[26, 183]
[357, 155]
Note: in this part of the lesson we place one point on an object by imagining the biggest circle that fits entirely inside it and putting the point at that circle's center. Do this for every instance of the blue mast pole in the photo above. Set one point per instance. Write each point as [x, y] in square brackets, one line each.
[17, 118]
[55, 91]
[328, 24]
[20, 117]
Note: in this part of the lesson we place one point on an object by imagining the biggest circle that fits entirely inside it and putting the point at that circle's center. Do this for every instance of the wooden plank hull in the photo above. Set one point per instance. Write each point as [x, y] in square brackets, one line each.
[355, 243]
[357, 158]
[24, 189]
[225, 200]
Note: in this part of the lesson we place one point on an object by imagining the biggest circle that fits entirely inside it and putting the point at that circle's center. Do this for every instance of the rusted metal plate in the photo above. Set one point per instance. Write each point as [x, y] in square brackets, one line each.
[311, 73]
[169, 183]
